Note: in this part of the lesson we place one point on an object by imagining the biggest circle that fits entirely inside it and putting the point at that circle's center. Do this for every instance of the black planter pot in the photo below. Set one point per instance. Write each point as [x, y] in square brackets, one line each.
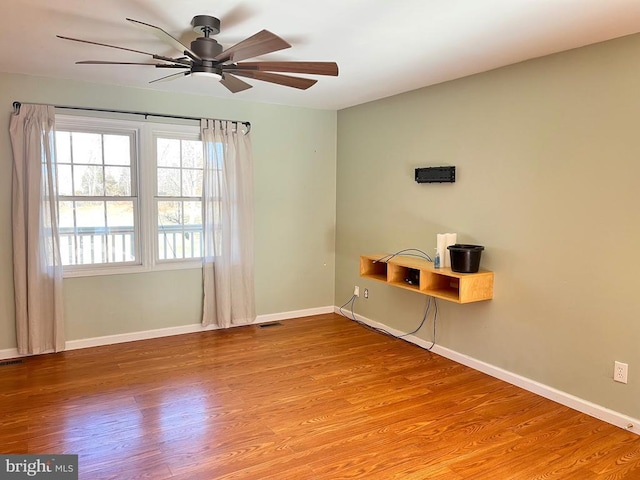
[465, 258]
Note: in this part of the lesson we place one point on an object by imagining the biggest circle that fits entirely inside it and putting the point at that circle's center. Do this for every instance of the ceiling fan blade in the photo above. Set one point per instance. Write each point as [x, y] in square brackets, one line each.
[102, 62]
[287, 81]
[258, 44]
[313, 68]
[173, 76]
[166, 38]
[235, 16]
[105, 45]
[157, 57]
[234, 84]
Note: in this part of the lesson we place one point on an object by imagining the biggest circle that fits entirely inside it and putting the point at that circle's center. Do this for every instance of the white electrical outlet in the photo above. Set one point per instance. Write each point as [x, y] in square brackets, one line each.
[366, 293]
[356, 291]
[620, 372]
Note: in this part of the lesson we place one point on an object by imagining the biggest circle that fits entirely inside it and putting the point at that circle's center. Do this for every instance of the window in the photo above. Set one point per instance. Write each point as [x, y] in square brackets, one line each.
[98, 203]
[129, 195]
[178, 199]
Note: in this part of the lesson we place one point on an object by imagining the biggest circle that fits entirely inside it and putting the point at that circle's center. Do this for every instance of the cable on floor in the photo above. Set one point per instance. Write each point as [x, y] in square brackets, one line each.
[424, 319]
[352, 302]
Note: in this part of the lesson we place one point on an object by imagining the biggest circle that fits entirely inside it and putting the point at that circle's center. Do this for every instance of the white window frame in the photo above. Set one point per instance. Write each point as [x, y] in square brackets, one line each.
[146, 177]
[181, 132]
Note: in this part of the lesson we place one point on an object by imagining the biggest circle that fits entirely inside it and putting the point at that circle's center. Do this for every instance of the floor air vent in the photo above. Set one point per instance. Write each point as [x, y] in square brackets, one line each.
[272, 324]
[10, 362]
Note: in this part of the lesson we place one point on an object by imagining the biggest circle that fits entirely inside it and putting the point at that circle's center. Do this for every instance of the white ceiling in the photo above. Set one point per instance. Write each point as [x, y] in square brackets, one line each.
[382, 47]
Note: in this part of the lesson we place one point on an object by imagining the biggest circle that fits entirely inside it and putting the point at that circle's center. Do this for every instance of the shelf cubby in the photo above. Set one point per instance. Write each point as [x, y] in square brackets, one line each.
[371, 269]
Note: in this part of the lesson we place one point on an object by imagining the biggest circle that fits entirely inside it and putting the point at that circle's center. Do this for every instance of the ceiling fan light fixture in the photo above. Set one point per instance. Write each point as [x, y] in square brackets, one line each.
[205, 71]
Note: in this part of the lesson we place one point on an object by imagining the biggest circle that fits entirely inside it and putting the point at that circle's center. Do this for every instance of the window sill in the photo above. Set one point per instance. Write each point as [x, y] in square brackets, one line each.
[131, 269]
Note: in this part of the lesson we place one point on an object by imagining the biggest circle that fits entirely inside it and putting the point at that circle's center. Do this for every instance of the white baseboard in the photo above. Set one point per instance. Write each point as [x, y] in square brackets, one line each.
[602, 413]
[274, 317]
[167, 332]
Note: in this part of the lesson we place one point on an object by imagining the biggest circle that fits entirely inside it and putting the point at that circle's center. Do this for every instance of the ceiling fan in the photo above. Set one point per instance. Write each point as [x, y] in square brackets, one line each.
[206, 57]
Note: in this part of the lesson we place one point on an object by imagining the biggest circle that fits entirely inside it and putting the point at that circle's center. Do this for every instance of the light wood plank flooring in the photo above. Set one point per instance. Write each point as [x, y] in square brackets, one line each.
[313, 398]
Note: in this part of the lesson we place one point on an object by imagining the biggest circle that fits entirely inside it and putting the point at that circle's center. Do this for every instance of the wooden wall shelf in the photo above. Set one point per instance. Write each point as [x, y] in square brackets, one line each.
[441, 283]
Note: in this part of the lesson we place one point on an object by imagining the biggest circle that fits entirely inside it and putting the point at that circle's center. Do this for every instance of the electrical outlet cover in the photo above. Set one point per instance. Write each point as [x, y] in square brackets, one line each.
[620, 372]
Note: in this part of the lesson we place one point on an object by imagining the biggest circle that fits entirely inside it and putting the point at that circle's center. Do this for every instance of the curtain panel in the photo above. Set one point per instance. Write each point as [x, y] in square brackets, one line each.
[36, 251]
[228, 218]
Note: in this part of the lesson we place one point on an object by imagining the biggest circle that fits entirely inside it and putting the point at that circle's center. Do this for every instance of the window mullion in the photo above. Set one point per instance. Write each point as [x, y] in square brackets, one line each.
[105, 236]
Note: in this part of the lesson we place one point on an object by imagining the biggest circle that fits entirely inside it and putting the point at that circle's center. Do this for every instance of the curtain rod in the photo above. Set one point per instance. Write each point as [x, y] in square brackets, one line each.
[16, 108]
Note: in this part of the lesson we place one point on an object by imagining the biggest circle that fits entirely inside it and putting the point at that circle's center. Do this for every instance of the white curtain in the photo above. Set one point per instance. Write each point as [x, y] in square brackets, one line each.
[227, 207]
[36, 251]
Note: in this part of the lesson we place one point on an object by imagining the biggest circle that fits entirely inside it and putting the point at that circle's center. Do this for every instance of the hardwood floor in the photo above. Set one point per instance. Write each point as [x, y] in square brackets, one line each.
[313, 398]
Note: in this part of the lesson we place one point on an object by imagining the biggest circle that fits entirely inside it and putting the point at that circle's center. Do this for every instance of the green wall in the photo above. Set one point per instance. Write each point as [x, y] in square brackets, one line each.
[548, 161]
[294, 176]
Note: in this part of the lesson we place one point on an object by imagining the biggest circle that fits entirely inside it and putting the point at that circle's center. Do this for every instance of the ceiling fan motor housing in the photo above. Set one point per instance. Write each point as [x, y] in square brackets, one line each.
[206, 48]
